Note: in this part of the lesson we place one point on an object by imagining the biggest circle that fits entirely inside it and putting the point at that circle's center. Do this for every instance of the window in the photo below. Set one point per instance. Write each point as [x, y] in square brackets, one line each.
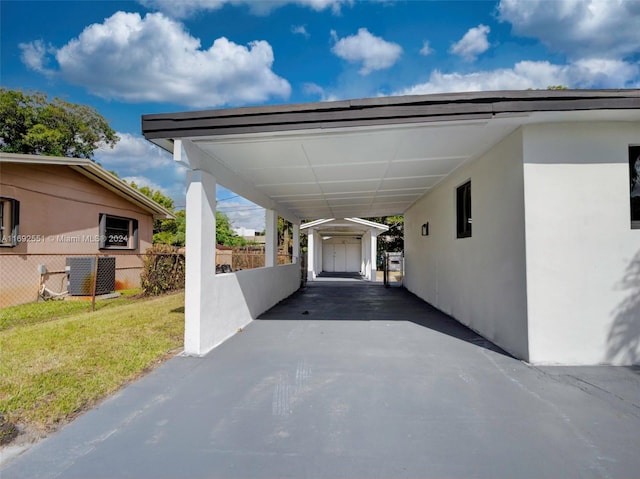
[634, 177]
[117, 232]
[463, 210]
[9, 221]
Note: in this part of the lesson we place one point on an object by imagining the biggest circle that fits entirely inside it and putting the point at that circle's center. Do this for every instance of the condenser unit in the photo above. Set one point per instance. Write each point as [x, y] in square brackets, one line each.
[80, 272]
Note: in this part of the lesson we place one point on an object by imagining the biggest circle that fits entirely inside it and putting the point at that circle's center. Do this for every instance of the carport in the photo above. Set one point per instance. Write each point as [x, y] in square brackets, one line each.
[356, 158]
[384, 156]
[342, 245]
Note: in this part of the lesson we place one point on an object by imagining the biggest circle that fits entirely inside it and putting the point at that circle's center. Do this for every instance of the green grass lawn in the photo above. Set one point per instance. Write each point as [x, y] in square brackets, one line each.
[30, 313]
[56, 363]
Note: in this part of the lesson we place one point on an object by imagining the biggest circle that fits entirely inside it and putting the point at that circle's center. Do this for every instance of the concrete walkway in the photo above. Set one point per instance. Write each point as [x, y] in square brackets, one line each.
[347, 379]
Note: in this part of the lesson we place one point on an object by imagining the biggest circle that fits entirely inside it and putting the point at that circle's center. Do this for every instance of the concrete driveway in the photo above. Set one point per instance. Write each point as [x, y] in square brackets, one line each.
[351, 380]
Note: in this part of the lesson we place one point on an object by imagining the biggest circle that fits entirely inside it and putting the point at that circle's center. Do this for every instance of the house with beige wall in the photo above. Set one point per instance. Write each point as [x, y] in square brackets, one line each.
[54, 208]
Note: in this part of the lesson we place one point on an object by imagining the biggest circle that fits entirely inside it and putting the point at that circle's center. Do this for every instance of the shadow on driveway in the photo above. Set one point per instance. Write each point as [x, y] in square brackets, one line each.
[347, 298]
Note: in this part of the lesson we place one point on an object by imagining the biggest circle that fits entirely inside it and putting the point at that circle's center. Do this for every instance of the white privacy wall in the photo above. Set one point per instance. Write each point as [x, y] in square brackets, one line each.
[240, 297]
[480, 281]
[583, 259]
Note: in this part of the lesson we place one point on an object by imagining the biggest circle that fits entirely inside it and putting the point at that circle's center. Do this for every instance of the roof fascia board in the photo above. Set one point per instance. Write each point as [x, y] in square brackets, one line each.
[42, 159]
[356, 221]
[199, 159]
[312, 224]
[197, 133]
[371, 224]
[389, 110]
[483, 96]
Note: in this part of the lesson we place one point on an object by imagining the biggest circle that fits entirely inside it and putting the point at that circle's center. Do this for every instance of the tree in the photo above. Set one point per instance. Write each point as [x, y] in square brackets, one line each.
[393, 239]
[174, 232]
[31, 124]
[224, 234]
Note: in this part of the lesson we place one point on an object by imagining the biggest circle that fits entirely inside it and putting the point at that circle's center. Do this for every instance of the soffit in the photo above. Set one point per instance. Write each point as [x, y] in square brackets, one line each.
[369, 157]
[355, 172]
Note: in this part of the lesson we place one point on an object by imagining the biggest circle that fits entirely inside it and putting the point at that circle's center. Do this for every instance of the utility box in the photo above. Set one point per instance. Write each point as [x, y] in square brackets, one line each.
[80, 272]
[394, 262]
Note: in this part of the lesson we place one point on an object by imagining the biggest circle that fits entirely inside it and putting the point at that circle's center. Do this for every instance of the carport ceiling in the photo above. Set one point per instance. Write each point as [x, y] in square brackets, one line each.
[372, 157]
[362, 172]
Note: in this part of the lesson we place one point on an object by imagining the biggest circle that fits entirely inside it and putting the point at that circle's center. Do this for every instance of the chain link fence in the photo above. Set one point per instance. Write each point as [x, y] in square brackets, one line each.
[26, 278]
[32, 277]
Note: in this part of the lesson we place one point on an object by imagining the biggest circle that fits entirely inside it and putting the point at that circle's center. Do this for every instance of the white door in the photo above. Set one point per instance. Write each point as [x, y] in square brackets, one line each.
[328, 263]
[354, 252]
[341, 258]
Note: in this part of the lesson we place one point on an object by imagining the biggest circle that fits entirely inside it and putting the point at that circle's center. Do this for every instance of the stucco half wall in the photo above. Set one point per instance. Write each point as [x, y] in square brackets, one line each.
[238, 298]
[481, 280]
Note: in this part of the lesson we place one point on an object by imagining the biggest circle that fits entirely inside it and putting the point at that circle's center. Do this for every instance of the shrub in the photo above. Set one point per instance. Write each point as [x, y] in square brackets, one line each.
[163, 270]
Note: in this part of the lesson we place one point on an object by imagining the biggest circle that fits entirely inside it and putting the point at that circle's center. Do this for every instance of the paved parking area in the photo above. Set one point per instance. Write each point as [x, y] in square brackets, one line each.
[351, 380]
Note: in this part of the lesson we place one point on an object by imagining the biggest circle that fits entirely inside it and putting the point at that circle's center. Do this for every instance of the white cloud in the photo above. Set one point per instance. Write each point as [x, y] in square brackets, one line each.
[588, 73]
[373, 52]
[35, 55]
[132, 155]
[141, 181]
[300, 30]
[578, 28]
[153, 59]
[473, 43]
[136, 159]
[426, 49]
[243, 214]
[188, 8]
[313, 89]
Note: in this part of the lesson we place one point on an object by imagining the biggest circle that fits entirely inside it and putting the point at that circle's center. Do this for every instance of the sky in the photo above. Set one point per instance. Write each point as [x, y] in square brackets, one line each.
[130, 58]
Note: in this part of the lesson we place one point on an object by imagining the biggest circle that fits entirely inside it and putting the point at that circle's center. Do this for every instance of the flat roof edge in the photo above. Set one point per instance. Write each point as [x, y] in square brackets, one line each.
[361, 112]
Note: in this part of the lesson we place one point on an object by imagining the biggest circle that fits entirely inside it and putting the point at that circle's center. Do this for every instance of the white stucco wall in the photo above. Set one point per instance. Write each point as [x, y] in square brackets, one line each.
[583, 259]
[235, 299]
[481, 280]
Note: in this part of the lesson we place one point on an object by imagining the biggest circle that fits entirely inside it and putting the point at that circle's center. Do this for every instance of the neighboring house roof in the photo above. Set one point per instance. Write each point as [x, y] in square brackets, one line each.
[344, 226]
[96, 173]
[365, 157]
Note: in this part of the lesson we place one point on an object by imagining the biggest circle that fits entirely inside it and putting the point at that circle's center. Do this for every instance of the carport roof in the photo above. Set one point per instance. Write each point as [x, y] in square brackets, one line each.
[344, 226]
[368, 157]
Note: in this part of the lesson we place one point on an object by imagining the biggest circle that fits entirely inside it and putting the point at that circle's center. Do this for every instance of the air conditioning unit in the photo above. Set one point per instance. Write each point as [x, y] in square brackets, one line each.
[80, 272]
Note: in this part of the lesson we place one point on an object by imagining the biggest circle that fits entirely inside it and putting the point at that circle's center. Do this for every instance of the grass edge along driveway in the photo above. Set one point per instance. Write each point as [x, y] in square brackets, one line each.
[52, 371]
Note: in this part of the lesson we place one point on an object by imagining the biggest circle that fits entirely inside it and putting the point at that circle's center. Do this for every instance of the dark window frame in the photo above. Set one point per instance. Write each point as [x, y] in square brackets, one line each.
[634, 186]
[9, 227]
[463, 210]
[110, 234]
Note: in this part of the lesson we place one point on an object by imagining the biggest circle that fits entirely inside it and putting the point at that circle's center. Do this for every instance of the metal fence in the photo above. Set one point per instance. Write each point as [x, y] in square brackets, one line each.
[31, 277]
[26, 278]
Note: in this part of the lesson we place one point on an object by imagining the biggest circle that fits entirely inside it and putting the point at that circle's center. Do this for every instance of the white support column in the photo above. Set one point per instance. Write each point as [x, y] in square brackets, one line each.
[271, 247]
[374, 254]
[296, 244]
[366, 256]
[363, 256]
[311, 255]
[318, 241]
[200, 261]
